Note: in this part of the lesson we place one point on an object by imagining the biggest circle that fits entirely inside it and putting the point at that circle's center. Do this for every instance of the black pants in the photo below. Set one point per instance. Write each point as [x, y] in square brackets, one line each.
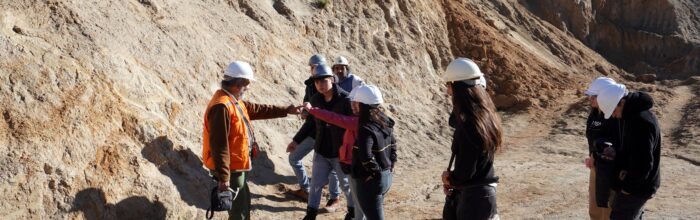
[604, 170]
[473, 203]
[627, 207]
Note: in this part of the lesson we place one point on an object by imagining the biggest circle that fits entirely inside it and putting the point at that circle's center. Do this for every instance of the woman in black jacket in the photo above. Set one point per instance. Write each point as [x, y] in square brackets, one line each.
[374, 153]
[471, 186]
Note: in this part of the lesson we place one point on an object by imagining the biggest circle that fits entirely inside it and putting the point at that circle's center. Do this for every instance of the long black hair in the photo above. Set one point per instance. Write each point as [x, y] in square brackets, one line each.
[474, 110]
[373, 113]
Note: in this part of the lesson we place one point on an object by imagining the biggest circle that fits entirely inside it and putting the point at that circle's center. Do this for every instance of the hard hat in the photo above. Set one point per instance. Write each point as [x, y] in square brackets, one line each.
[609, 96]
[598, 84]
[340, 60]
[239, 69]
[317, 59]
[367, 94]
[322, 71]
[462, 69]
[481, 81]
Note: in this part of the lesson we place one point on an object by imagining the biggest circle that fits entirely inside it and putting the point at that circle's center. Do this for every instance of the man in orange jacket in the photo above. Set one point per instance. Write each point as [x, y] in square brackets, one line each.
[229, 141]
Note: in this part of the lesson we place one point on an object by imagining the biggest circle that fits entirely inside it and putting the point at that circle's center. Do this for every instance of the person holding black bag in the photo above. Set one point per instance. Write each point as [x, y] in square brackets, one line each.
[471, 186]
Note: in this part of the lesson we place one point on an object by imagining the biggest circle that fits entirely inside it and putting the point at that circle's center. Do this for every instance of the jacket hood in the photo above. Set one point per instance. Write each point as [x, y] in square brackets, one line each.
[309, 82]
[637, 102]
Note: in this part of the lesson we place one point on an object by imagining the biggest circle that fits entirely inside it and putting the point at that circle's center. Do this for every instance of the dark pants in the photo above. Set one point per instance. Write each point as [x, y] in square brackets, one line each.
[472, 203]
[241, 205]
[627, 207]
[603, 171]
[370, 195]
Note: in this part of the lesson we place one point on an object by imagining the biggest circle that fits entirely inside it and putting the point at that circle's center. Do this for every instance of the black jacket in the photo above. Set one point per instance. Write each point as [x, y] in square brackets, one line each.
[638, 157]
[598, 129]
[472, 167]
[322, 131]
[374, 150]
[309, 124]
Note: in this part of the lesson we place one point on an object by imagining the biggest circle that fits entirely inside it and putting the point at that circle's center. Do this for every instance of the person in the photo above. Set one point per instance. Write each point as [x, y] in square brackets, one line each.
[303, 145]
[350, 124]
[637, 173]
[374, 155]
[598, 131]
[228, 138]
[346, 80]
[328, 140]
[477, 138]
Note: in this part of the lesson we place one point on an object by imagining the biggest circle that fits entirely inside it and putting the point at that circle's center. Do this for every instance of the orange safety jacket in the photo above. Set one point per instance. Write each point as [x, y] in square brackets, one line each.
[237, 137]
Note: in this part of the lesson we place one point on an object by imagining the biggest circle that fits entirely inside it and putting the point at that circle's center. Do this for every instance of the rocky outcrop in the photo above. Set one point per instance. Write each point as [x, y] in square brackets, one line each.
[643, 37]
[102, 101]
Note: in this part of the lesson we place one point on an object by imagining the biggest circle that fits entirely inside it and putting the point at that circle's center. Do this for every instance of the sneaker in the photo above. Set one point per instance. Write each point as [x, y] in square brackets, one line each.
[332, 205]
[302, 194]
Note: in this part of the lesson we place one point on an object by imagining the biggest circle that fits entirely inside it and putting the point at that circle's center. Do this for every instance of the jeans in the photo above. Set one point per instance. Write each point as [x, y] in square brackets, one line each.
[474, 203]
[359, 215]
[370, 195]
[320, 172]
[295, 157]
[627, 207]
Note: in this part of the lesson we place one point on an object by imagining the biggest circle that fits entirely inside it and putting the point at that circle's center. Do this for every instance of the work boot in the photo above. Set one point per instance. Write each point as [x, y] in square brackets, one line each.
[301, 193]
[351, 213]
[332, 205]
[310, 214]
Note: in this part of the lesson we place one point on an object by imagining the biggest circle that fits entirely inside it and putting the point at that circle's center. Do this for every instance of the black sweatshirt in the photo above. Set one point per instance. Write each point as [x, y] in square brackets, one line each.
[641, 147]
[599, 129]
[328, 137]
[472, 167]
[308, 127]
[369, 157]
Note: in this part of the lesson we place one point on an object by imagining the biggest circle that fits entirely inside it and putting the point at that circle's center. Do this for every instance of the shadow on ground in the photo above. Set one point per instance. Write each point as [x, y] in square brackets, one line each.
[93, 204]
[184, 168]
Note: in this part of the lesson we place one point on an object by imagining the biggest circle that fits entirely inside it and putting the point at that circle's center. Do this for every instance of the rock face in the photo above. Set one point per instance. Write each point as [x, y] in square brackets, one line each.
[103, 101]
[644, 37]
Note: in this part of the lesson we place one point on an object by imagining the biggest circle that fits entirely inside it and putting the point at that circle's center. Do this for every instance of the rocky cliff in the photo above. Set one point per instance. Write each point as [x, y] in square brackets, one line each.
[103, 100]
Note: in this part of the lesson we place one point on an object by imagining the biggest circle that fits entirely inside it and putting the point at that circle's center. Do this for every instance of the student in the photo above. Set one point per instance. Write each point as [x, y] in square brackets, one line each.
[349, 123]
[598, 131]
[328, 138]
[346, 80]
[303, 145]
[374, 153]
[477, 138]
[637, 159]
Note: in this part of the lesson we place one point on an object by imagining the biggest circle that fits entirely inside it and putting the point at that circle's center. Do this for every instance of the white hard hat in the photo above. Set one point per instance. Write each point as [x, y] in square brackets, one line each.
[481, 81]
[462, 69]
[367, 94]
[239, 69]
[598, 84]
[340, 60]
[609, 96]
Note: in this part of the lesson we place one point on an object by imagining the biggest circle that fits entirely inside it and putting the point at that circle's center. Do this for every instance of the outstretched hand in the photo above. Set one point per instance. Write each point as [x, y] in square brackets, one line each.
[307, 106]
[294, 110]
[291, 147]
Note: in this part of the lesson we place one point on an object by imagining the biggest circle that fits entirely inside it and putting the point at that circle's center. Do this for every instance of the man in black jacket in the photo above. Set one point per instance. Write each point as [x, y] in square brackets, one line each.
[328, 138]
[303, 143]
[637, 159]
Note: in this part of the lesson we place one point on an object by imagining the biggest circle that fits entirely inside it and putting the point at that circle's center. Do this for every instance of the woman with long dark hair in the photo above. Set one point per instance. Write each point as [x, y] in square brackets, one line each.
[471, 185]
[374, 152]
